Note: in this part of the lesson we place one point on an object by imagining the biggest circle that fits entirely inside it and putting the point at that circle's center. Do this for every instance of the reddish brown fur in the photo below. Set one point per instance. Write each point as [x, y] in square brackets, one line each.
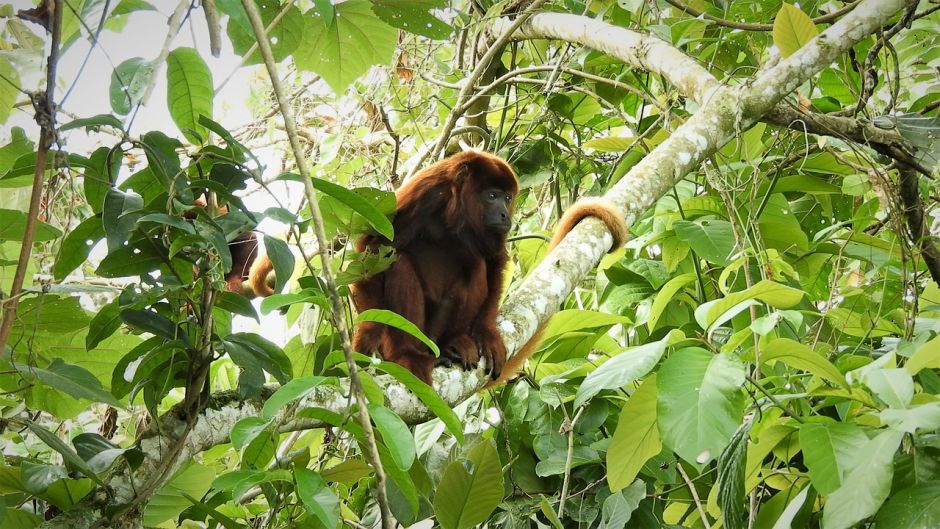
[448, 274]
[598, 208]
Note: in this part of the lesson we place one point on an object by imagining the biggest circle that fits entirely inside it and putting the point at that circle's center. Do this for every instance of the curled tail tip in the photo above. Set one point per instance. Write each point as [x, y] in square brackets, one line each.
[599, 208]
[261, 277]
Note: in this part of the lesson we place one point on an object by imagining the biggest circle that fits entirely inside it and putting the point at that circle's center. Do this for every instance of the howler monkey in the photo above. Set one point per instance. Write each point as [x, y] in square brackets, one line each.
[450, 241]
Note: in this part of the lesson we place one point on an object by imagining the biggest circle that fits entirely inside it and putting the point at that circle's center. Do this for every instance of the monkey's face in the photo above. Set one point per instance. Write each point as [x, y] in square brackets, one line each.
[497, 210]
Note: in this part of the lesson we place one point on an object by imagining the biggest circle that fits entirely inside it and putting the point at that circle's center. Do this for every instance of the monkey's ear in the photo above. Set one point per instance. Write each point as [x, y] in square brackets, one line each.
[462, 173]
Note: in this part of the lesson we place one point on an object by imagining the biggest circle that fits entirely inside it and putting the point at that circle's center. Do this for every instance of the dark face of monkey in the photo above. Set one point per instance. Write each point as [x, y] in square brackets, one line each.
[497, 214]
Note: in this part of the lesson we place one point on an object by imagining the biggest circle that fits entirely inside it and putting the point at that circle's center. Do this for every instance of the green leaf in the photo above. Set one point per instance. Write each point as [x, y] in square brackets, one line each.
[128, 261]
[282, 259]
[731, 462]
[866, 485]
[895, 386]
[799, 356]
[700, 403]
[192, 480]
[284, 37]
[246, 430]
[712, 240]
[627, 367]
[926, 356]
[72, 380]
[428, 396]
[104, 324]
[395, 435]
[189, 92]
[636, 438]
[924, 417]
[618, 508]
[76, 246]
[343, 48]
[610, 144]
[828, 450]
[293, 390]
[414, 16]
[9, 88]
[237, 304]
[913, 508]
[154, 323]
[665, 295]
[774, 294]
[307, 295]
[93, 123]
[392, 319]
[129, 80]
[376, 219]
[792, 29]
[68, 454]
[13, 227]
[463, 500]
[317, 497]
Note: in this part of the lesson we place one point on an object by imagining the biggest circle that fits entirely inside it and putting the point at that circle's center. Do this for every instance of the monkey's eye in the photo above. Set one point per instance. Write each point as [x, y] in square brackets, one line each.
[492, 196]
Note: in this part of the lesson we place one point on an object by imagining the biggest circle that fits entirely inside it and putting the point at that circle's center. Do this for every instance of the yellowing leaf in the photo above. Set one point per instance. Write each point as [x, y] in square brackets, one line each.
[792, 29]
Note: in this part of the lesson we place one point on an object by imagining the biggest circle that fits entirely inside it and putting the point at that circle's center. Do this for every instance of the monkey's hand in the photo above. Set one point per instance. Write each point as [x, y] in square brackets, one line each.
[492, 349]
[460, 350]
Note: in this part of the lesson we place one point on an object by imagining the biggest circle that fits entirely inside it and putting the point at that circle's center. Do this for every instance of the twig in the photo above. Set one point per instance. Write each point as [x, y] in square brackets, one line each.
[698, 501]
[568, 458]
[756, 27]
[45, 116]
[339, 315]
[470, 83]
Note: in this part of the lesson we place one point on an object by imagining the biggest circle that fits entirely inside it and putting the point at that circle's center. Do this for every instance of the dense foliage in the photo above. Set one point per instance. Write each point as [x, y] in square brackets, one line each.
[763, 353]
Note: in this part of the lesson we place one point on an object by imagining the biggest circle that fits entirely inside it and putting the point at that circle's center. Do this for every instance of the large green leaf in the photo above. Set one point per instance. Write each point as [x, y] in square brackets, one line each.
[625, 368]
[189, 92]
[792, 29]
[72, 380]
[285, 36]
[462, 499]
[343, 47]
[799, 356]
[828, 450]
[700, 402]
[774, 294]
[712, 240]
[913, 508]
[636, 438]
[414, 16]
[13, 227]
[866, 484]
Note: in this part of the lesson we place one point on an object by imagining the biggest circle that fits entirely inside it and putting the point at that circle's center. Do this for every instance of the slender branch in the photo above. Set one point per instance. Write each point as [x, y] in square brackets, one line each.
[339, 315]
[756, 27]
[470, 84]
[695, 498]
[569, 426]
[45, 117]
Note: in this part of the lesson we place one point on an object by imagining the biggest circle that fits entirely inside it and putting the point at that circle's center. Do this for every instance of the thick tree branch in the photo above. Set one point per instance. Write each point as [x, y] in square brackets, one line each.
[653, 54]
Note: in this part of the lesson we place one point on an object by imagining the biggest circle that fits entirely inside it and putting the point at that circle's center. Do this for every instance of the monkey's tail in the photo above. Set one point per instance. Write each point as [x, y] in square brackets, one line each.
[596, 207]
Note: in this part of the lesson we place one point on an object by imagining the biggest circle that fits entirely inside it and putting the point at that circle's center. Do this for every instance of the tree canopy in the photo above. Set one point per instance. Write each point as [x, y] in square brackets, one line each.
[763, 353]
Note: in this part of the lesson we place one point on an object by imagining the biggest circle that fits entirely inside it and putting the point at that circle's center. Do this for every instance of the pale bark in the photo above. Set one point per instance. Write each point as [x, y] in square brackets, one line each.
[726, 111]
